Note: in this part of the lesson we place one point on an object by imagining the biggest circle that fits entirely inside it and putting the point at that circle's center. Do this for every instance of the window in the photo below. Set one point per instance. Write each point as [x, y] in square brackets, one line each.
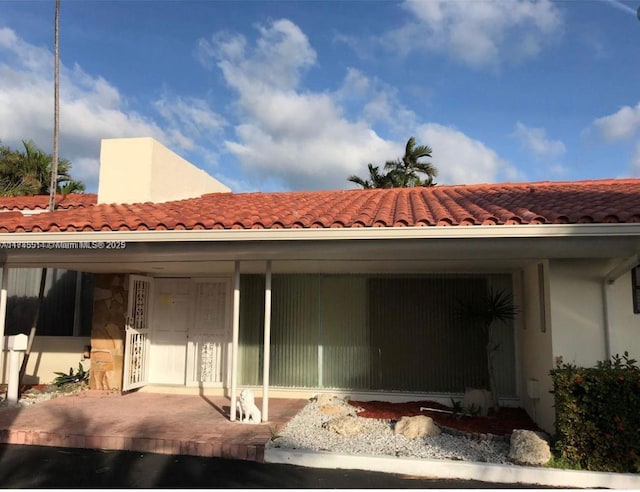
[66, 309]
[371, 332]
[635, 289]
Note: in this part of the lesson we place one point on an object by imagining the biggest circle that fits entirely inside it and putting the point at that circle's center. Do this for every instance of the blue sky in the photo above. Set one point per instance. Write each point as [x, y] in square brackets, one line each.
[298, 95]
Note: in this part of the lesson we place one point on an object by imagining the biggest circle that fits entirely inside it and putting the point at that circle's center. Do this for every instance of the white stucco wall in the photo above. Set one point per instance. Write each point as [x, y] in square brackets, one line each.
[577, 310]
[135, 170]
[50, 355]
[624, 324]
[579, 317]
[535, 353]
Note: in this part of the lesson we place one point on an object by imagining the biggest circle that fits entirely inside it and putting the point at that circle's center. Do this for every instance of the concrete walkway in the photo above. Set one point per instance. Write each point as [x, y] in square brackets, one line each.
[145, 422]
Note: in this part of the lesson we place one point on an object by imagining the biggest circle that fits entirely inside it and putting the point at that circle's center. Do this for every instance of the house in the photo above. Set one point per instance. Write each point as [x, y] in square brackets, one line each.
[199, 289]
[64, 326]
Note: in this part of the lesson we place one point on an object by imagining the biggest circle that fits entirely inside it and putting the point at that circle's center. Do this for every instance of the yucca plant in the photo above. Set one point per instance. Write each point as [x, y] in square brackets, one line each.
[63, 378]
[484, 310]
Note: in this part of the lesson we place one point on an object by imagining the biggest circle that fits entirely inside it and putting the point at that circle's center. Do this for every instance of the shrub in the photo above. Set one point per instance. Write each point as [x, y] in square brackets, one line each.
[598, 415]
[62, 378]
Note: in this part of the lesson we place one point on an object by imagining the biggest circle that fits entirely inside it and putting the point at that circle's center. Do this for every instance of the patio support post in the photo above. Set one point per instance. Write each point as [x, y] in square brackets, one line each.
[267, 343]
[607, 323]
[234, 343]
[3, 315]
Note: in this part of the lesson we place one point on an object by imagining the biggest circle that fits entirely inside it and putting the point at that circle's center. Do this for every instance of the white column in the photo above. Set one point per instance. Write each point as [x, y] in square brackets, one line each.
[234, 343]
[16, 345]
[3, 315]
[267, 344]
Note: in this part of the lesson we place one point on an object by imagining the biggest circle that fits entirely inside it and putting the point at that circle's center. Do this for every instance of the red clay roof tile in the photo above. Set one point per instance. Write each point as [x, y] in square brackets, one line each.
[41, 202]
[598, 201]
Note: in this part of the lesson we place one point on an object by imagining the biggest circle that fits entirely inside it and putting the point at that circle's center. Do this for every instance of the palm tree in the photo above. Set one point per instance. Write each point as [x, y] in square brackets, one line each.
[406, 170]
[493, 306]
[403, 172]
[376, 180]
[28, 172]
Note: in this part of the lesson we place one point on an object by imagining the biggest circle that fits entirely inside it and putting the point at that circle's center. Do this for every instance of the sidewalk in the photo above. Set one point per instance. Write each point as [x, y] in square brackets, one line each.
[147, 422]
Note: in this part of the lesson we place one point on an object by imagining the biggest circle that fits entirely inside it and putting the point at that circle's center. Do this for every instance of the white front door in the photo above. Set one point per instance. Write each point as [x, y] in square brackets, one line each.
[173, 306]
[209, 334]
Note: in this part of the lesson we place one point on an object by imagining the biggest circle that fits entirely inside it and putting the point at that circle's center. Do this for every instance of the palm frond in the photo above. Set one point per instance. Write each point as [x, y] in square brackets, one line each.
[493, 305]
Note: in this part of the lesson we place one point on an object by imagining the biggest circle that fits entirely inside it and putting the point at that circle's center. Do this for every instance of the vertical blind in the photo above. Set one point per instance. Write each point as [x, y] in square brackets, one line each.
[59, 308]
[379, 332]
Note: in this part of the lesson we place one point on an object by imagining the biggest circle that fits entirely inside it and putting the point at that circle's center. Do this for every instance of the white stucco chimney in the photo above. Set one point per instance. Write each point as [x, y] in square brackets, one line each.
[134, 170]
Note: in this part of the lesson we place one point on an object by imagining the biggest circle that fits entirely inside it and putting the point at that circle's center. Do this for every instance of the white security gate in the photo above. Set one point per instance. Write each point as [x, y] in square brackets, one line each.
[136, 345]
[209, 340]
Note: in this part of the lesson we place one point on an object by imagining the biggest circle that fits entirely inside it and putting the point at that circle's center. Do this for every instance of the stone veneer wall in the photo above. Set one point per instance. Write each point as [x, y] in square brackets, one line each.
[110, 296]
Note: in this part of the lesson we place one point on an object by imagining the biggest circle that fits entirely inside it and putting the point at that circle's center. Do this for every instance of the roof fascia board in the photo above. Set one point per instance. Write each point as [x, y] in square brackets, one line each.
[429, 232]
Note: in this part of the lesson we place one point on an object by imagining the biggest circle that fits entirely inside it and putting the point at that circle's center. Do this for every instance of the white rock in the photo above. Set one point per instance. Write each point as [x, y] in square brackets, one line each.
[324, 399]
[478, 398]
[529, 448]
[418, 426]
[306, 431]
[345, 426]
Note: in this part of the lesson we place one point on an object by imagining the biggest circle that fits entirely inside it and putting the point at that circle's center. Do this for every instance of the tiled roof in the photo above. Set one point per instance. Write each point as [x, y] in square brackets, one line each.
[602, 201]
[41, 202]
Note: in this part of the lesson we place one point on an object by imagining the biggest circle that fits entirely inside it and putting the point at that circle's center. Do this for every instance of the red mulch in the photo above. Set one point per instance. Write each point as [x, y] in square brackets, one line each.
[500, 424]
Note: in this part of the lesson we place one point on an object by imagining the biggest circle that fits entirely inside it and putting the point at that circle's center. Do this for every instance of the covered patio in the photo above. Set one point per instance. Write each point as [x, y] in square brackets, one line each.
[196, 425]
[522, 253]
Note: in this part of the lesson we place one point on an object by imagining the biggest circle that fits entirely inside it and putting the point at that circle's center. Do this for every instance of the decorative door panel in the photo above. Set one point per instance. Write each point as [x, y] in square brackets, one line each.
[208, 360]
[212, 307]
[209, 335]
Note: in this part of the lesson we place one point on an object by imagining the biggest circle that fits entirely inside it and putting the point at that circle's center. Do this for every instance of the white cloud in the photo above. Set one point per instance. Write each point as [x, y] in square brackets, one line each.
[190, 115]
[535, 140]
[299, 137]
[461, 159]
[280, 56]
[480, 32]
[622, 7]
[620, 125]
[380, 103]
[90, 109]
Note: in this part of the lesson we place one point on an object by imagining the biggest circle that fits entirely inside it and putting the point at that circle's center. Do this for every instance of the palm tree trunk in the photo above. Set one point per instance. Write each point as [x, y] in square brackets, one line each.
[491, 353]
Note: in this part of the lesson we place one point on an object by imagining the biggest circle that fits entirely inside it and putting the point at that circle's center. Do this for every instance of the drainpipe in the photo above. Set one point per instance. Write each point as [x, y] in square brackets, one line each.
[3, 315]
[234, 343]
[267, 344]
[616, 272]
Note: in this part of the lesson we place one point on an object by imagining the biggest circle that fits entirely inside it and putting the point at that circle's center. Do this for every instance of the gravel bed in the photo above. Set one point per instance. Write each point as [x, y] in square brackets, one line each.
[49, 392]
[305, 431]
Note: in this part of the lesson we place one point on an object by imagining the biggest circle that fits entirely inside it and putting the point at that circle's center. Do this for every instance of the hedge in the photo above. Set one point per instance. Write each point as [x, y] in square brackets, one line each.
[598, 415]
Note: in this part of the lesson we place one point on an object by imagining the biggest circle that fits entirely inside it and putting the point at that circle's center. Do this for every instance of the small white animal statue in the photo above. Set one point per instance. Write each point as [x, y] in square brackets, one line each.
[246, 407]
